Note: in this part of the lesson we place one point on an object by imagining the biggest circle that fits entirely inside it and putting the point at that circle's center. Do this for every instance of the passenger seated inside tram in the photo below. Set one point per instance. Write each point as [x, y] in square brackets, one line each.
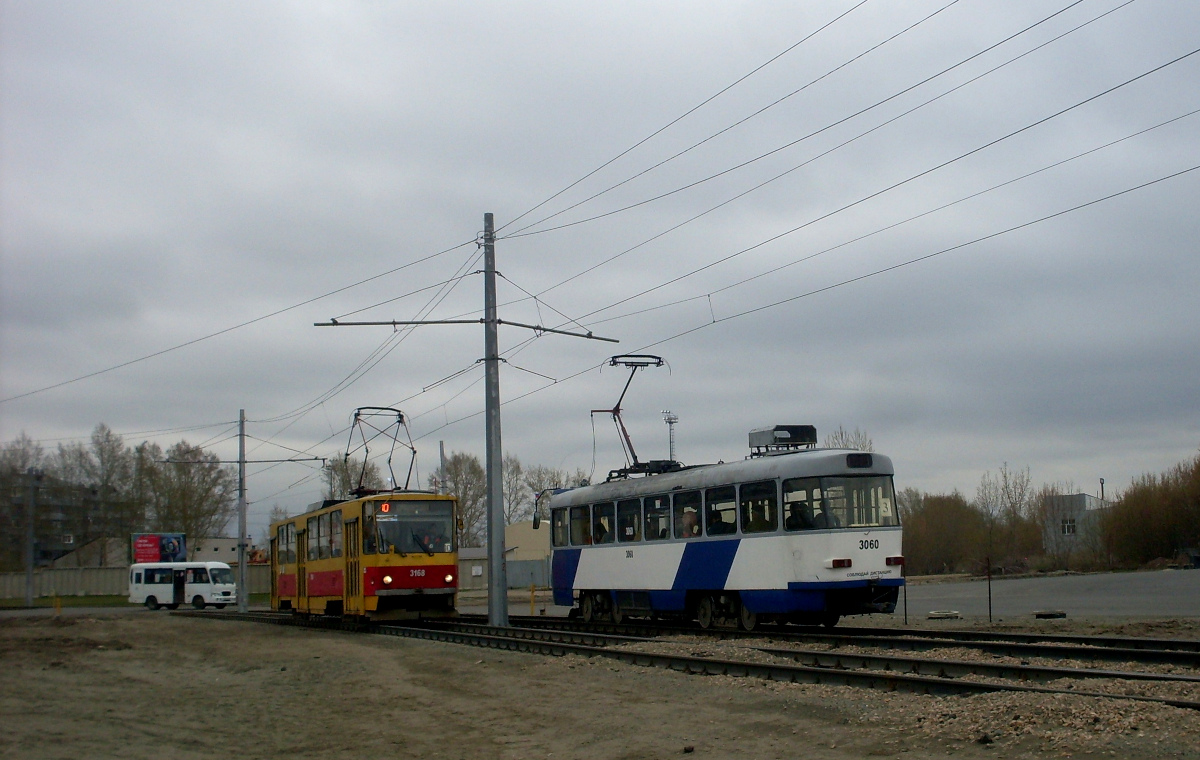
[600, 535]
[689, 525]
[797, 519]
[717, 525]
[758, 521]
[825, 520]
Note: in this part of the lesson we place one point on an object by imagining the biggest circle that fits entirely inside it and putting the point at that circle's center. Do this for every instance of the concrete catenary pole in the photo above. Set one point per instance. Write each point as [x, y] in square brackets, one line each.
[497, 569]
[243, 585]
[442, 488]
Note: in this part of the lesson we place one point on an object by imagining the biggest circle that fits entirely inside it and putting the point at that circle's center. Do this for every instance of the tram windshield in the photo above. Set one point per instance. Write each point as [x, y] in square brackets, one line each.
[408, 527]
[839, 502]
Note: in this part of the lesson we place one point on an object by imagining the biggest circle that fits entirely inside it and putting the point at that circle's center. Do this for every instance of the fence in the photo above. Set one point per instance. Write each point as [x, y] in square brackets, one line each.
[98, 581]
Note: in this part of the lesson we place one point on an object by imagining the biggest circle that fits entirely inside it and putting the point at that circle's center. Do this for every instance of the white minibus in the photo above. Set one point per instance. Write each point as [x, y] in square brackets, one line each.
[170, 584]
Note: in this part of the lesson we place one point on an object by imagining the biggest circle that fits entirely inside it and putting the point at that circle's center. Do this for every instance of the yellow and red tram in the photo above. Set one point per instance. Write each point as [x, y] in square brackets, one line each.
[384, 556]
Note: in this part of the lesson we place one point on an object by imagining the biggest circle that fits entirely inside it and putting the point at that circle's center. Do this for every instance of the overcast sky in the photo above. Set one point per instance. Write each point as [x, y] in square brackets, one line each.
[173, 170]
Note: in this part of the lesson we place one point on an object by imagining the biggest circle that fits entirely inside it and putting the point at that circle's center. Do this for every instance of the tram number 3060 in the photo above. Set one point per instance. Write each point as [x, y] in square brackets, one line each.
[419, 572]
[871, 543]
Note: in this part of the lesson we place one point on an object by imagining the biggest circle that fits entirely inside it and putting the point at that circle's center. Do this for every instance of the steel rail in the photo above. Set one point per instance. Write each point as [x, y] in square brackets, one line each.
[896, 639]
[504, 639]
[960, 668]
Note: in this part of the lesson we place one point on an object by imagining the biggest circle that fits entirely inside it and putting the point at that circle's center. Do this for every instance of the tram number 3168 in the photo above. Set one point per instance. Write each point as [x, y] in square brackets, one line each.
[418, 572]
[872, 543]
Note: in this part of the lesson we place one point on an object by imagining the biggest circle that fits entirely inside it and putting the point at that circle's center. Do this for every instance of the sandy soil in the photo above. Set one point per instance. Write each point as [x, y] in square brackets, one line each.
[149, 685]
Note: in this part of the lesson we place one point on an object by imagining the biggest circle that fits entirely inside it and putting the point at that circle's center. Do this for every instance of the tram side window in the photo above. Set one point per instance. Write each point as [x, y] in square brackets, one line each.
[687, 514]
[560, 532]
[602, 524]
[323, 536]
[759, 507]
[629, 520]
[581, 529]
[281, 544]
[368, 534]
[335, 534]
[291, 542]
[720, 517]
[658, 517]
[802, 505]
[311, 538]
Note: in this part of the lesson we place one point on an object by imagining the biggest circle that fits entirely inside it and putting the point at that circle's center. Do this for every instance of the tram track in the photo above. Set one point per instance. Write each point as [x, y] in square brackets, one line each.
[1061, 647]
[645, 649]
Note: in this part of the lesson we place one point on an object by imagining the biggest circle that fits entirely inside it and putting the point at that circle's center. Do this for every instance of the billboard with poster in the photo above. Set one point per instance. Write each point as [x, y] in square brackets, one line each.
[159, 547]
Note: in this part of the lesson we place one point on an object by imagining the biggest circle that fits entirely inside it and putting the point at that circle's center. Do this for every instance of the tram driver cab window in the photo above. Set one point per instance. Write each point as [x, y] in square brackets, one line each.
[559, 532]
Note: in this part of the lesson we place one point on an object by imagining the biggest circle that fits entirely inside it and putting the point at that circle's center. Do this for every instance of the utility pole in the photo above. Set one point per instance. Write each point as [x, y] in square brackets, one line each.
[35, 478]
[243, 588]
[497, 569]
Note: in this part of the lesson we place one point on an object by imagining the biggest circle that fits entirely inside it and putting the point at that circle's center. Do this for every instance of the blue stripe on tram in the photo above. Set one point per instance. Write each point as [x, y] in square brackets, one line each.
[705, 565]
[562, 573]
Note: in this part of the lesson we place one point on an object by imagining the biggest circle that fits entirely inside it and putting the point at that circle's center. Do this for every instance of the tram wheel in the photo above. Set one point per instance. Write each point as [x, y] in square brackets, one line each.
[587, 608]
[746, 619]
[705, 612]
[618, 616]
[830, 619]
[198, 602]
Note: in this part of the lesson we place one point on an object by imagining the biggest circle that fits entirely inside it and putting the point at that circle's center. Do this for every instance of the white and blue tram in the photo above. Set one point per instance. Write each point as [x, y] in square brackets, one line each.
[790, 534]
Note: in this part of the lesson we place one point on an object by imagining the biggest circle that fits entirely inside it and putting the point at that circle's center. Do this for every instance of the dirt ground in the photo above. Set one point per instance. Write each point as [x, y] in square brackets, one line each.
[151, 685]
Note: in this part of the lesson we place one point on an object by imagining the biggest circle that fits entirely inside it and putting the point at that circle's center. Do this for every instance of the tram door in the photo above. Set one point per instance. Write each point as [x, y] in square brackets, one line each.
[301, 570]
[178, 580]
[352, 582]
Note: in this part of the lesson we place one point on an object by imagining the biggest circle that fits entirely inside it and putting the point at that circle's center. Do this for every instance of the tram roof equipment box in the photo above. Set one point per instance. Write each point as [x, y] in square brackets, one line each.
[782, 438]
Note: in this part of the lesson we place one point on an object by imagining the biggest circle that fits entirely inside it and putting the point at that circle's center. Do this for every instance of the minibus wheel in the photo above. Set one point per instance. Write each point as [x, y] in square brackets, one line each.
[151, 603]
[198, 602]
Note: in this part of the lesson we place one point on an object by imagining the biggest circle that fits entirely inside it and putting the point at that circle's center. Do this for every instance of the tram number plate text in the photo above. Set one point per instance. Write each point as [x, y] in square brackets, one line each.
[629, 554]
[419, 572]
[872, 543]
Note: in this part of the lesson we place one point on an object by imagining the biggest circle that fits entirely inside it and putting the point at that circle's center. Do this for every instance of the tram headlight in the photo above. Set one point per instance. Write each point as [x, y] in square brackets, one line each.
[449, 578]
[387, 580]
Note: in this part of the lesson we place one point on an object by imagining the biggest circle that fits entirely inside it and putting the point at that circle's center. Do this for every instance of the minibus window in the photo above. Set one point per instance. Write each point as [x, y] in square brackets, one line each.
[221, 575]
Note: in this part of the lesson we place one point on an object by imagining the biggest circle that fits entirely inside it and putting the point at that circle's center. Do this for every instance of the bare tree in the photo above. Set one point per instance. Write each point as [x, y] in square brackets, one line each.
[277, 514]
[518, 499]
[343, 476]
[467, 482]
[21, 454]
[192, 493]
[844, 439]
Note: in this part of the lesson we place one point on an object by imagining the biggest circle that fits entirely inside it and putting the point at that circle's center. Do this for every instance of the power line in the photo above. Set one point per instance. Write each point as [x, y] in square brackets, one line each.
[689, 112]
[741, 121]
[766, 182]
[828, 288]
[799, 140]
[234, 327]
[895, 185]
